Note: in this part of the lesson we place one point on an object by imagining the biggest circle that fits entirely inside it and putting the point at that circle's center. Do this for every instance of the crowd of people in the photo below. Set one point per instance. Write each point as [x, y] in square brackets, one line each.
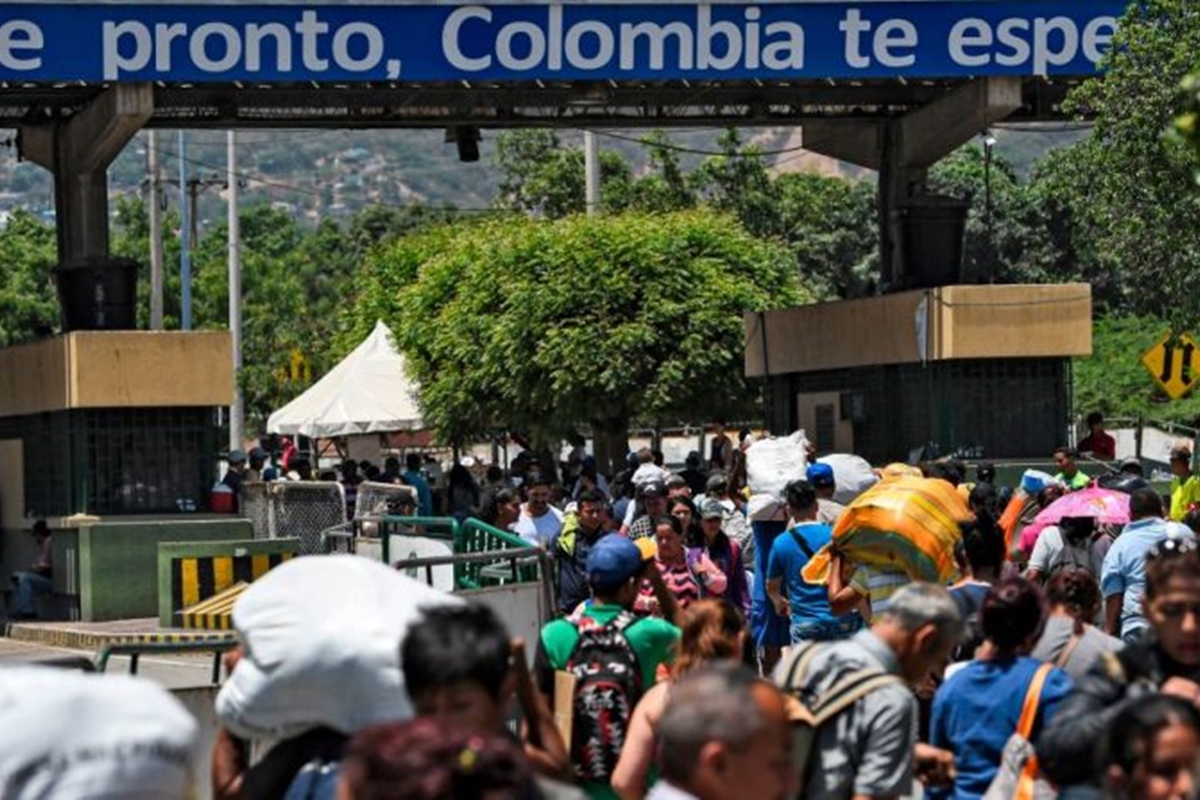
[690, 657]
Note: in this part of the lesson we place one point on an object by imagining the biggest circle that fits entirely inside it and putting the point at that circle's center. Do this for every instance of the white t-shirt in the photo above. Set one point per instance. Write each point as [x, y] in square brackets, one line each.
[649, 473]
[539, 530]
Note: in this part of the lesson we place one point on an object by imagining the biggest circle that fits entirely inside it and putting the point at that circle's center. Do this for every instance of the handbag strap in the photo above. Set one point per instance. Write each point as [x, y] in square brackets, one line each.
[1033, 697]
[1068, 651]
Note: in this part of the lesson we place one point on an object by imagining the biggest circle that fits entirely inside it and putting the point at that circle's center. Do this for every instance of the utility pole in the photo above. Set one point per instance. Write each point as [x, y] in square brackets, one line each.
[156, 245]
[989, 144]
[185, 251]
[237, 410]
[591, 167]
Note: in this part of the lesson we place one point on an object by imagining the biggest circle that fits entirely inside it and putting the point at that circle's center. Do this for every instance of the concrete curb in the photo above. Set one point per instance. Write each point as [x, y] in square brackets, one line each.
[80, 639]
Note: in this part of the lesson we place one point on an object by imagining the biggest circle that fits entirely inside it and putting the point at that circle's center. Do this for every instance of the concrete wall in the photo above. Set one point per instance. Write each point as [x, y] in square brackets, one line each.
[850, 333]
[1014, 321]
[117, 369]
[118, 562]
[960, 322]
[34, 377]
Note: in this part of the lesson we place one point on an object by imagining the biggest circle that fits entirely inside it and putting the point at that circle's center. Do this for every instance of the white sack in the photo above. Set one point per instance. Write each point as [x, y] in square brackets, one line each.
[771, 464]
[66, 735]
[322, 641]
[852, 474]
[766, 508]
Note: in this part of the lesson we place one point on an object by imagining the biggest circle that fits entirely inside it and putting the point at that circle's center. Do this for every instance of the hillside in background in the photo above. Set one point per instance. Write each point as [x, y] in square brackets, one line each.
[316, 175]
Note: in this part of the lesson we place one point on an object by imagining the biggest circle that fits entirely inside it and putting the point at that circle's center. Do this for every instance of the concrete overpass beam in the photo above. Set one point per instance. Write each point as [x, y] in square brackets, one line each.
[934, 131]
[78, 151]
[851, 140]
[902, 150]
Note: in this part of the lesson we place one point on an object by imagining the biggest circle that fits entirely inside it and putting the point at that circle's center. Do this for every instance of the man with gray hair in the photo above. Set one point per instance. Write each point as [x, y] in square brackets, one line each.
[724, 736]
[868, 749]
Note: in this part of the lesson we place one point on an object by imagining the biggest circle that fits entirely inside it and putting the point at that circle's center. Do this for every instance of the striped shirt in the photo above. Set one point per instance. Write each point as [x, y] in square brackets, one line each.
[878, 585]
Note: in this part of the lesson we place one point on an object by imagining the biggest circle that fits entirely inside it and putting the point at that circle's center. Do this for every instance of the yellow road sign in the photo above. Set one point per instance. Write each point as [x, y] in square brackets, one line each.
[1174, 363]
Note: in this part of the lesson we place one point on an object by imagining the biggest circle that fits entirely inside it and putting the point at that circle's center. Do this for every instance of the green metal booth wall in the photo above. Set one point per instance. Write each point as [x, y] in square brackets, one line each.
[118, 562]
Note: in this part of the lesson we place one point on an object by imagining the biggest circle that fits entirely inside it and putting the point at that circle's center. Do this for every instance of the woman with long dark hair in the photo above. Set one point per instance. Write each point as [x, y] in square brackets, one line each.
[977, 709]
[688, 572]
[709, 631]
[1070, 640]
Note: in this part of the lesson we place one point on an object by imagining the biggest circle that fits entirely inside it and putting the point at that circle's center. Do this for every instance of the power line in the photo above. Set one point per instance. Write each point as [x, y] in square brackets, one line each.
[244, 175]
[696, 151]
[250, 176]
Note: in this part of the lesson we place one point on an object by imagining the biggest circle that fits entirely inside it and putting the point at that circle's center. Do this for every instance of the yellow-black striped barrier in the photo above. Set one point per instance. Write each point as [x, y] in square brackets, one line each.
[198, 578]
[215, 613]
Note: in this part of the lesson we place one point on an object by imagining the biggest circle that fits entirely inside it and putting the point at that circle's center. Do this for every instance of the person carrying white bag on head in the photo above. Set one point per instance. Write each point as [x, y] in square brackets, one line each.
[771, 464]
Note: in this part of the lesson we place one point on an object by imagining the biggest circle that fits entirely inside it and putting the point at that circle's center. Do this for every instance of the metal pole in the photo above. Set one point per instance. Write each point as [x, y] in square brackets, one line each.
[156, 245]
[185, 256]
[591, 167]
[237, 409]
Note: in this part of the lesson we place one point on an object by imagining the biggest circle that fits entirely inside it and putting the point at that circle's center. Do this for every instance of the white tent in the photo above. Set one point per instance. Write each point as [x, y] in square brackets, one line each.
[368, 392]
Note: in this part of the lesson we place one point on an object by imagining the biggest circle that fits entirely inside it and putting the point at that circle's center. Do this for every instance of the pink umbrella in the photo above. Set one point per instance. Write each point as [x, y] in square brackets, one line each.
[1103, 505]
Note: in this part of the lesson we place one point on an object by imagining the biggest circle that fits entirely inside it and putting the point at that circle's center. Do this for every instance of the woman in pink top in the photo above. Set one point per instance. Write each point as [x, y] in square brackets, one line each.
[688, 572]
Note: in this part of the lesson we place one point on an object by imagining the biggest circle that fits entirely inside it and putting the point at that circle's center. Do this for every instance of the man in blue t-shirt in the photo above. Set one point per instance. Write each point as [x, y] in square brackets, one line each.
[806, 604]
[415, 479]
[1123, 576]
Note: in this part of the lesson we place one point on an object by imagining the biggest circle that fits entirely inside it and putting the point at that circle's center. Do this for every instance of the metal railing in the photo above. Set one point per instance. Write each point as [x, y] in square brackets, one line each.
[516, 562]
[218, 648]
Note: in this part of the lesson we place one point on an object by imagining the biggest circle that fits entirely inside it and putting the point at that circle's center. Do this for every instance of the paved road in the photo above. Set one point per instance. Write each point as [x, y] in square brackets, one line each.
[172, 671]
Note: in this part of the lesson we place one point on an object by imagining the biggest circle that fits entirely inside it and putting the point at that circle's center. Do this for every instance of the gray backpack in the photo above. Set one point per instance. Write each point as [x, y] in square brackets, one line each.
[809, 716]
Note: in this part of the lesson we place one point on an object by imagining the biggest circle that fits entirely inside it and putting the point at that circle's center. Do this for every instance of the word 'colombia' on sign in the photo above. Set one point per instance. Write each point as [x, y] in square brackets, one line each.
[162, 41]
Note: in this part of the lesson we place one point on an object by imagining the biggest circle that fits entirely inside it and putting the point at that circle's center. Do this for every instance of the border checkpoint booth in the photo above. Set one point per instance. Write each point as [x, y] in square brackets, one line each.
[983, 371]
[110, 436]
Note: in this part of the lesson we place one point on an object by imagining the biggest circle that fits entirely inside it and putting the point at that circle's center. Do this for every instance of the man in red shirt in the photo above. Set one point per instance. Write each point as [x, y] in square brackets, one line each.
[1098, 442]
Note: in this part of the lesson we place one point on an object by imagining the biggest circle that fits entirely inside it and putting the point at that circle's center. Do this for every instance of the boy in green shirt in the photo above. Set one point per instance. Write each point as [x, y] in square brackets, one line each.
[613, 656]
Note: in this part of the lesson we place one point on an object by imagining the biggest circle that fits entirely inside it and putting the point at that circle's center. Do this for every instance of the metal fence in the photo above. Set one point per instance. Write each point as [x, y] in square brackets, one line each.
[294, 509]
[381, 499]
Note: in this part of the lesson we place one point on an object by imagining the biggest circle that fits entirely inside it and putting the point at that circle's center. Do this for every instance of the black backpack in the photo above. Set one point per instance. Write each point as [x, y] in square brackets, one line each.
[608, 687]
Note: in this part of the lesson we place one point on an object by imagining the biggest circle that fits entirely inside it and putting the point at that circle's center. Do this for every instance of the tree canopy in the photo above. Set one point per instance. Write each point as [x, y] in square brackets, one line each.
[544, 325]
[1128, 188]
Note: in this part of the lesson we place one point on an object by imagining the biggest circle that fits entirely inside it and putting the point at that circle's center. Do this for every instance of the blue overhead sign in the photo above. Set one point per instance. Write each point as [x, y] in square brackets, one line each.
[159, 41]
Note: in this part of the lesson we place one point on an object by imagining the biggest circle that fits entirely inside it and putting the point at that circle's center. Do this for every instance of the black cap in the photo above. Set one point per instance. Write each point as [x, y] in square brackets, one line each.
[652, 489]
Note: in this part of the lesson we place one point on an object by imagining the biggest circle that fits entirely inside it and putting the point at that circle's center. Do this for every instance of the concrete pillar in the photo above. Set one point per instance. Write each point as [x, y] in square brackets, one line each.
[78, 150]
[903, 148]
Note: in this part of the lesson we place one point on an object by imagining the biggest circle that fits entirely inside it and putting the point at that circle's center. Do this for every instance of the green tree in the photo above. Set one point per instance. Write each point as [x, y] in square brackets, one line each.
[602, 320]
[1135, 199]
[1008, 239]
[1114, 380]
[28, 302]
[665, 186]
[830, 225]
[737, 182]
[541, 176]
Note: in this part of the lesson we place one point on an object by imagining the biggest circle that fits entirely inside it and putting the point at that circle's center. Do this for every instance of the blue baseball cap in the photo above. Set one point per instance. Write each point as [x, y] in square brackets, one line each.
[820, 475]
[612, 561]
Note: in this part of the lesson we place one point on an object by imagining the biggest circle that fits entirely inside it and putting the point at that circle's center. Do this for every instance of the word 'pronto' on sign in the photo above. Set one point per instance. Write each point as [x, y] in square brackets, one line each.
[212, 42]
[1174, 363]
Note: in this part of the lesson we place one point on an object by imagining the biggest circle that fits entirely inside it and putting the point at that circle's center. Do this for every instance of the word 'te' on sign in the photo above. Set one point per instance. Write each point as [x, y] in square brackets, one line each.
[1174, 363]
